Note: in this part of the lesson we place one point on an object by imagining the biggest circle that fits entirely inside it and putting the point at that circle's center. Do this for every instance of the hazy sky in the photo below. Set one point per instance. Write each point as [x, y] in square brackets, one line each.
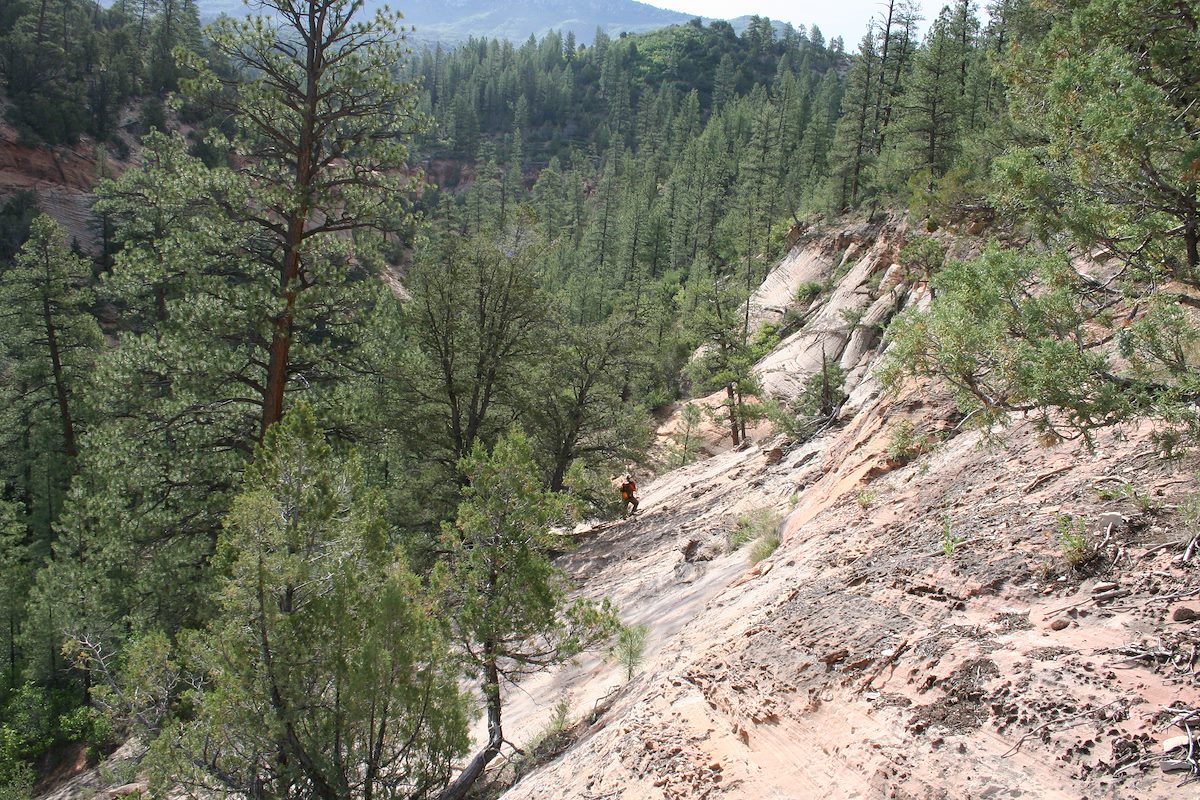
[845, 18]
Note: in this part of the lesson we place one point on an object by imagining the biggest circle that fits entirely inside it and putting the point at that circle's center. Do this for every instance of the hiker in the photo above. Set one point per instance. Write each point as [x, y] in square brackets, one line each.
[629, 495]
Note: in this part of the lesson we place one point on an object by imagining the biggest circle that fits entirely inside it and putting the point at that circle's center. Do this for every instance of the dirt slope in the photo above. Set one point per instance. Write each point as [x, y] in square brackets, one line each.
[919, 632]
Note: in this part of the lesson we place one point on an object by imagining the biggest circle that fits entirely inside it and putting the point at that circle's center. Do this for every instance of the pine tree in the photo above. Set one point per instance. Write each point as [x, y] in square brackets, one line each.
[321, 127]
[932, 101]
[48, 343]
[1114, 118]
[18, 561]
[853, 143]
[725, 360]
[811, 161]
[506, 598]
[184, 389]
[325, 674]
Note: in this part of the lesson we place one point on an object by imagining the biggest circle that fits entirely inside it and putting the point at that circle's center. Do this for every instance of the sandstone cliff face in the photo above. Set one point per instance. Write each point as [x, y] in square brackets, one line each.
[919, 632]
[62, 178]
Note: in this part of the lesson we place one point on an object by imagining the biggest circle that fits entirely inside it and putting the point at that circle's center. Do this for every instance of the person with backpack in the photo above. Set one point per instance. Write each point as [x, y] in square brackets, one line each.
[629, 499]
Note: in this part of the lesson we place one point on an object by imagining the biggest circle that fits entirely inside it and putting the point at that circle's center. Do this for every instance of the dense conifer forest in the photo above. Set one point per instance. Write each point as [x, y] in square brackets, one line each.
[283, 463]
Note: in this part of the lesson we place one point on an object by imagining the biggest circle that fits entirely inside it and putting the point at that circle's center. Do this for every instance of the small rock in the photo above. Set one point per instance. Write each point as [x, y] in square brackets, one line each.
[1184, 614]
[976, 227]
[836, 656]
[1113, 519]
[1104, 586]
[715, 766]
[774, 455]
[1174, 742]
[1176, 766]
[1059, 624]
[128, 789]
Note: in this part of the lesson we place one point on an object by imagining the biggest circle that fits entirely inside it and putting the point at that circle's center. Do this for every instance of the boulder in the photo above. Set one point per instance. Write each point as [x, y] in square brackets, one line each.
[1184, 614]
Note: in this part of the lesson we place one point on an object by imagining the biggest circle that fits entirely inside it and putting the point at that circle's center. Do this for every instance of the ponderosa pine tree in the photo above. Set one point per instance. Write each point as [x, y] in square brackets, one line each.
[48, 343]
[18, 560]
[896, 52]
[183, 390]
[755, 191]
[725, 360]
[237, 286]
[321, 128]
[811, 161]
[854, 141]
[931, 104]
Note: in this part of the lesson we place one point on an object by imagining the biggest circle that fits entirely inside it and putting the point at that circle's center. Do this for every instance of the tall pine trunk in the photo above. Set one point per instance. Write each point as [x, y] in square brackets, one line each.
[60, 383]
[289, 274]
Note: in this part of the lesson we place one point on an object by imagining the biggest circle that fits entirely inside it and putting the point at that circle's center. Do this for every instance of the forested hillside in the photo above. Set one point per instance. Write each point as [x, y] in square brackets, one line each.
[287, 458]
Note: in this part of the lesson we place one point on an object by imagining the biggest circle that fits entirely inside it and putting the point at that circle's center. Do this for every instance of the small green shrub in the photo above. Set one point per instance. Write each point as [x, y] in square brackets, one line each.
[1073, 540]
[809, 291]
[824, 391]
[823, 394]
[922, 257]
[550, 741]
[684, 447]
[119, 773]
[792, 321]
[1127, 491]
[1189, 512]
[763, 547]
[33, 720]
[752, 525]
[950, 541]
[630, 648]
[1171, 443]
[865, 497]
[904, 444]
[853, 316]
[88, 725]
[562, 715]
[16, 773]
[764, 340]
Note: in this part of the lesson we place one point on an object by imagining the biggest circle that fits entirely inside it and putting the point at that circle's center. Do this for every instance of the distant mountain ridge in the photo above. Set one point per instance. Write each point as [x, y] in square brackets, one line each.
[456, 20]
[451, 21]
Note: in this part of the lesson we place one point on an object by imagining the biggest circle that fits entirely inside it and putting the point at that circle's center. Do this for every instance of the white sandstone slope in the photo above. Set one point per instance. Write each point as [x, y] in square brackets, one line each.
[873, 655]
